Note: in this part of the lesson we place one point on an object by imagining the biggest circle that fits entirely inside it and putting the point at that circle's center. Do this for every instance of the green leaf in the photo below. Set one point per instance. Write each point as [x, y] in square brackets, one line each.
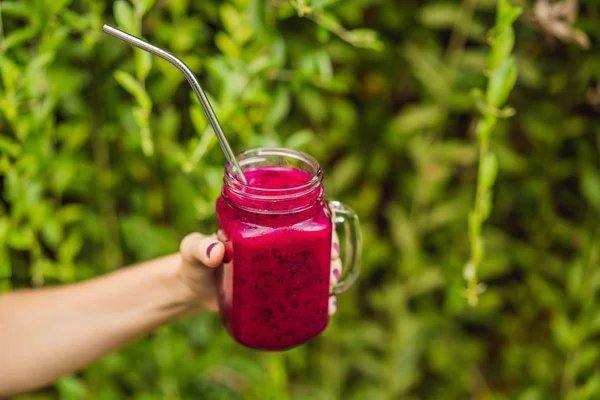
[227, 45]
[143, 6]
[70, 248]
[21, 238]
[547, 294]
[71, 387]
[129, 83]
[502, 46]
[10, 73]
[574, 280]
[589, 183]
[20, 36]
[489, 170]
[143, 64]
[430, 71]
[56, 6]
[417, 118]
[584, 359]
[365, 38]
[71, 213]
[589, 390]
[313, 104]
[345, 173]
[279, 109]
[485, 127]
[142, 117]
[486, 205]
[439, 15]
[206, 141]
[328, 21]
[125, 17]
[506, 14]
[199, 121]
[300, 140]
[501, 82]
[52, 232]
[10, 146]
[15, 9]
[324, 66]
[235, 23]
[564, 333]
[323, 34]
[4, 228]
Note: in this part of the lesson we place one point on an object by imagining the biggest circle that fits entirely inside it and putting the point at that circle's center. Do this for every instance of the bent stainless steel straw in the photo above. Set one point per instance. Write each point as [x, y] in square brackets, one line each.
[210, 114]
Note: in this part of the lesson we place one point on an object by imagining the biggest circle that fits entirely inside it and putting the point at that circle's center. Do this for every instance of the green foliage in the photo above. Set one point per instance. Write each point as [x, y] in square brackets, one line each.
[106, 159]
[502, 78]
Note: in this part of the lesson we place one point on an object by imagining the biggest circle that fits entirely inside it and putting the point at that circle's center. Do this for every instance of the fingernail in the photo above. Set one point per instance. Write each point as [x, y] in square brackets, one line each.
[336, 273]
[336, 247]
[209, 249]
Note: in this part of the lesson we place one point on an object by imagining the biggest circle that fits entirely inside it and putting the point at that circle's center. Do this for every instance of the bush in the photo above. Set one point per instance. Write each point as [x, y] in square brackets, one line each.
[107, 159]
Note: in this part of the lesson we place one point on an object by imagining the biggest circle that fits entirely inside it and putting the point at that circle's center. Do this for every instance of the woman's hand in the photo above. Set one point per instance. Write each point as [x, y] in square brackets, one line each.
[200, 254]
[65, 328]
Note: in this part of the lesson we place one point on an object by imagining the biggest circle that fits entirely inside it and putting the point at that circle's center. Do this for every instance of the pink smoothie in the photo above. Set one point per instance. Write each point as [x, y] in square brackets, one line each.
[274, 286]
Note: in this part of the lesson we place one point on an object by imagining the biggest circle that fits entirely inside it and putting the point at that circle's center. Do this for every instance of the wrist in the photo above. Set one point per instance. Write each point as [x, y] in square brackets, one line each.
[182, 300]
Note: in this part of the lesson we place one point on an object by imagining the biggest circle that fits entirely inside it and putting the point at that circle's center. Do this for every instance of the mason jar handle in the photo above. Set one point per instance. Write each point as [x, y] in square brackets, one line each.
[351, 249]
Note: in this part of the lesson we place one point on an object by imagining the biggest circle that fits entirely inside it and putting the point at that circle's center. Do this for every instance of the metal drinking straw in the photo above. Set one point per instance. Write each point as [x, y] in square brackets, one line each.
[210, 114]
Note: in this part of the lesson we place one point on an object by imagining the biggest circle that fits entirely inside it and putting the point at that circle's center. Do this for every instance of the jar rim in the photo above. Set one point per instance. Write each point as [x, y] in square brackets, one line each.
[259, 155]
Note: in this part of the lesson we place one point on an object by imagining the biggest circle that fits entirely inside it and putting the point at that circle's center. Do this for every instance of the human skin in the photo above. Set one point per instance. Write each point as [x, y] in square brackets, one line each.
[50, 332]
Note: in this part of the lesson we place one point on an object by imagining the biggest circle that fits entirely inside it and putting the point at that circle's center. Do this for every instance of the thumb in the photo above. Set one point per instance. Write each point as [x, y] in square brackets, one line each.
[198, 248]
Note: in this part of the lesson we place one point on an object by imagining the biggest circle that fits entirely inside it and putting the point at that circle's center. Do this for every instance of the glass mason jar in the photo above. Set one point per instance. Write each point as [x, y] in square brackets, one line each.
[274, 286]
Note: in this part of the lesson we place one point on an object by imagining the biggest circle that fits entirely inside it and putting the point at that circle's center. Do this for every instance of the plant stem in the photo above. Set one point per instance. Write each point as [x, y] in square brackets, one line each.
[475, 234]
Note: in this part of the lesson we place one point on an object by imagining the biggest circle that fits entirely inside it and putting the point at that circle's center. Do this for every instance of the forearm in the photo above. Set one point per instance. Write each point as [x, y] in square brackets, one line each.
[47, 333]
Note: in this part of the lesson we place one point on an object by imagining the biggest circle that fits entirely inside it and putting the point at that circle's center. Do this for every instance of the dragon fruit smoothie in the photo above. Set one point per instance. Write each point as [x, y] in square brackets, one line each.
[274, 285]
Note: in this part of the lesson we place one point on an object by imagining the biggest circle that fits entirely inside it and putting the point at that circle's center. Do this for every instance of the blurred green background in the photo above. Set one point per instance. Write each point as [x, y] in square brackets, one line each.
[106, 159]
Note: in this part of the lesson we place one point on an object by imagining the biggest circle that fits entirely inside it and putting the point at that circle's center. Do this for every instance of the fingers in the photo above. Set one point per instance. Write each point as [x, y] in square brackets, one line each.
[207, 250]
[336, 263]
[336, 270]
[335, 246]
[332, 305]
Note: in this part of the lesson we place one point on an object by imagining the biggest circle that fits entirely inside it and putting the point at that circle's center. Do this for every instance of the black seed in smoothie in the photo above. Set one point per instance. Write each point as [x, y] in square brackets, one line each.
[240, 281]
